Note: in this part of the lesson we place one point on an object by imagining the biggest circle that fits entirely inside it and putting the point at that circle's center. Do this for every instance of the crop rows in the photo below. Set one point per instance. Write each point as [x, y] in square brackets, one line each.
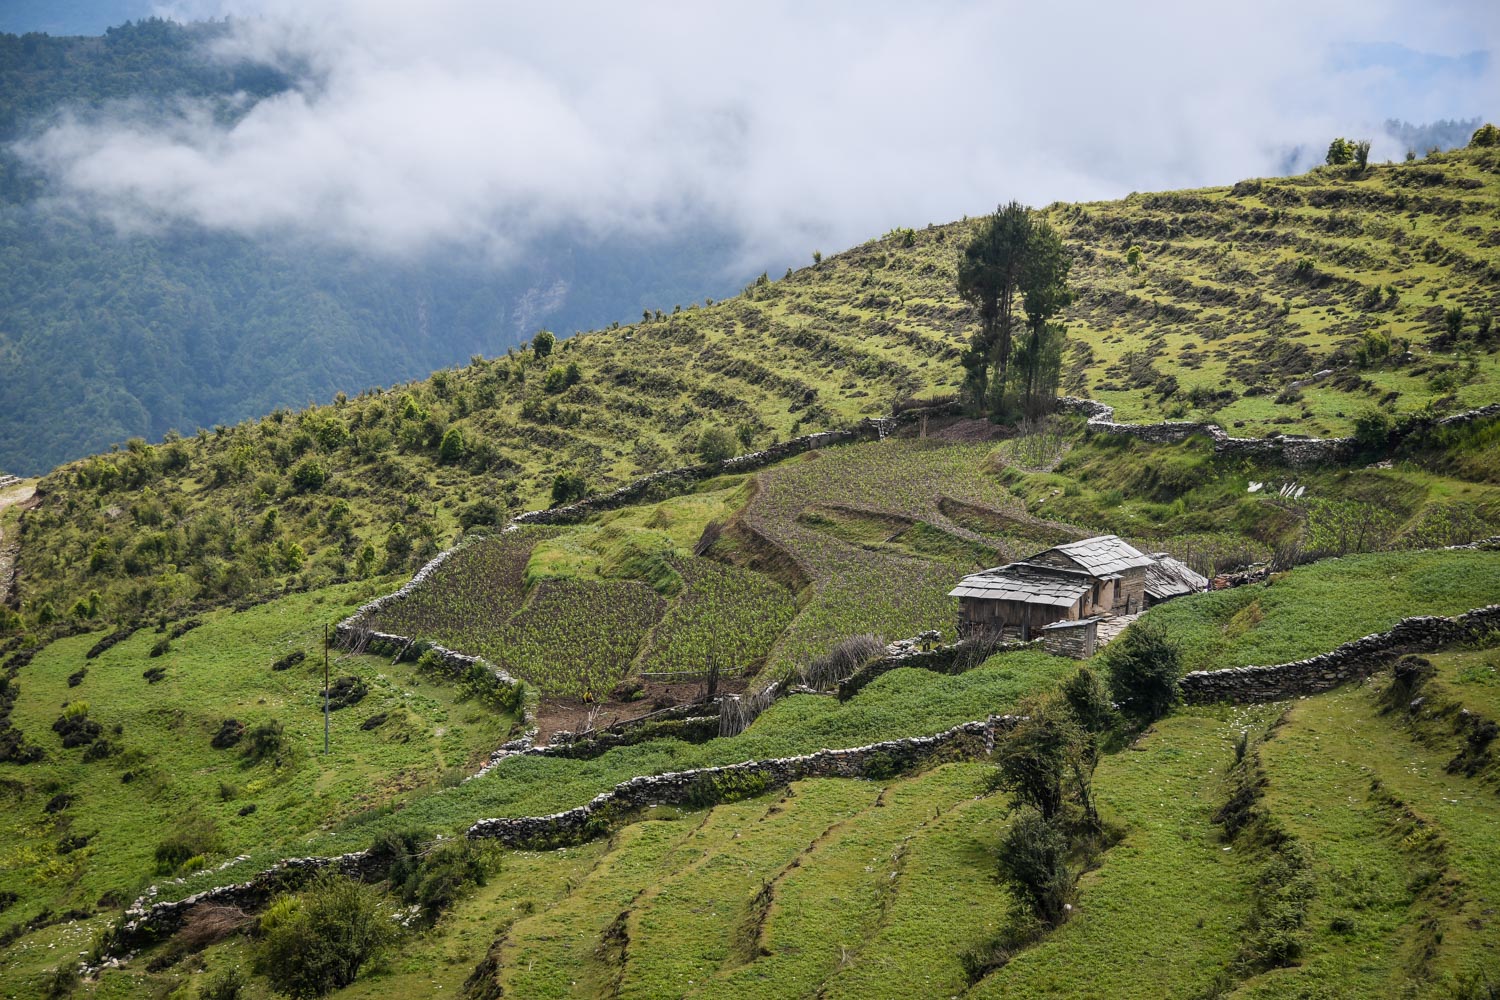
[724, 615]
[886, 590]
[571, 638]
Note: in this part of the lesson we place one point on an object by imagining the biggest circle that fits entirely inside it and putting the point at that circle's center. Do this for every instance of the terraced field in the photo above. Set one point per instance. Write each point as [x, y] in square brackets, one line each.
[1243, 297]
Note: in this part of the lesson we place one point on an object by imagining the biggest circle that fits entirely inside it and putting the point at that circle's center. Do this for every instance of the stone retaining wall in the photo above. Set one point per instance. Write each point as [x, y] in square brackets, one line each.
[678, 480]
[147, 923]
[1351, 661]
[703, 786]
[1292, 450]
[941, 660]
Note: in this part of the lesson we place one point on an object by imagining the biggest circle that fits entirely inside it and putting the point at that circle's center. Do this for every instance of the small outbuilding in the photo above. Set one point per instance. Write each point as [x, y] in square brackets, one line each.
[1167, 578]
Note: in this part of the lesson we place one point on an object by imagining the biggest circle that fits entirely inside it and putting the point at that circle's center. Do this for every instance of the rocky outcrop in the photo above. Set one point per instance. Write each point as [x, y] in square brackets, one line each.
[1351, 661]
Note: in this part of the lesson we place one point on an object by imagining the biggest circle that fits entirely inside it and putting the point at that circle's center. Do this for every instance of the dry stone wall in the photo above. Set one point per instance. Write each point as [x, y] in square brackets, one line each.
[703, 786]
[1351, 661]
[147, 922]
[1289, 449]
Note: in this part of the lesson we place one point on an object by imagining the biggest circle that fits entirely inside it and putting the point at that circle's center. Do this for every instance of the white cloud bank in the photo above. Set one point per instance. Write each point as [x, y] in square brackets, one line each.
[796, 125]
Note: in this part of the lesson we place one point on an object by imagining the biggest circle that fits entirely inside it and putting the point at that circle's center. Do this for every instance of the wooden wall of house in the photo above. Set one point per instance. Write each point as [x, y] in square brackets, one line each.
[1011, 617]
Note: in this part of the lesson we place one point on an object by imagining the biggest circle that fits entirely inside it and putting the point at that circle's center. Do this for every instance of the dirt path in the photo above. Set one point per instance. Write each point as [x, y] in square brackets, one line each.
[17, 495]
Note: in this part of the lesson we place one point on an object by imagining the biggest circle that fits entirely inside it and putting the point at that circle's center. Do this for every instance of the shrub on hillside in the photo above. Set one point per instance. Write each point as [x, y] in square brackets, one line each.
[230, 731]
[346, 691]
[1033, 860]
[1089, 701]
[265, 740]
[568, 487]
[715, 445]
[318, 940]
[75, 727]
[289, 660]
[1144, 666]
[193, 837]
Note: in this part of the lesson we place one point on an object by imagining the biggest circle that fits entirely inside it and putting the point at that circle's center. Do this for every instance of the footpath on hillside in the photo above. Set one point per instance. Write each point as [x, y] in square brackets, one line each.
[13, 493]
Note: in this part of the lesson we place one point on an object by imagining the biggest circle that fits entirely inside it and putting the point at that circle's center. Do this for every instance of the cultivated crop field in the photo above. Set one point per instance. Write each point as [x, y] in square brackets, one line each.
[724, 616]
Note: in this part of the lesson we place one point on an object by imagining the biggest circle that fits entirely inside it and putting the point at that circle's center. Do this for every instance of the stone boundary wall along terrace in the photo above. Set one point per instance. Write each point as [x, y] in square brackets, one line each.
[1292, 450]
[1351, 661]
[704, 786]
[147, 923]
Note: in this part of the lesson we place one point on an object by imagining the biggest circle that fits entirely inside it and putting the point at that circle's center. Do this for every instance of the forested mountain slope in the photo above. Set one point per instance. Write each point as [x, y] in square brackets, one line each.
[106, 334]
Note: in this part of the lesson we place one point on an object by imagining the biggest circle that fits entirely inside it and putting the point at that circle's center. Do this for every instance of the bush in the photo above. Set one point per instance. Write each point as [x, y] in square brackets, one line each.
[154, 674]
[1144, 665]
[543, 342]
[195, 836]
[1089, 701]
[289, 660]
[265, 740]
[309, 476]
[568, 487]
[225, 985]
[319, 940]
[228, 735]
[715, 445]
[452, 450]
[346, 691]
[161, 647]
[75, 727]
[1033, 859]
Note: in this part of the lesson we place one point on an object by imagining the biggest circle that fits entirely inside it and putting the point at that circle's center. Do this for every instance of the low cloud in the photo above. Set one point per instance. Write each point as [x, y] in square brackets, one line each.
[469, 124]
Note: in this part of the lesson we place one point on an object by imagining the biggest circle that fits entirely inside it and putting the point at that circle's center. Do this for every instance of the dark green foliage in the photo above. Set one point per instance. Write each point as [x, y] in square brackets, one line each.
[989, 272]
[1340, 152]
[191, 837]
[1089, 701]
[568, 487]
[1283, 892]
[227, 984]
[346, 691]
[289, 660]
[1144, 666]
[309, 476]
[161, 647]
[228, 735]
[318, 940]
[451, 451]
[75, 727]
[542, 343]
[1034, 860]
[726, 786]
[716, 444]
[58, 802]
[1047, 760]
[154, 674]
[1485, 136]
[77, 676]
[263, 741]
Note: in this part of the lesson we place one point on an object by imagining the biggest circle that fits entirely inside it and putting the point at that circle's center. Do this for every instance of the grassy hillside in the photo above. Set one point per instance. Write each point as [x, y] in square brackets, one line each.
[1240, 292]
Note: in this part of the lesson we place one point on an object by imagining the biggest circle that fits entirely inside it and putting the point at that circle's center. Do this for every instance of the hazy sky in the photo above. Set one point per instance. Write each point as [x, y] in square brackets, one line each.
[798, 125]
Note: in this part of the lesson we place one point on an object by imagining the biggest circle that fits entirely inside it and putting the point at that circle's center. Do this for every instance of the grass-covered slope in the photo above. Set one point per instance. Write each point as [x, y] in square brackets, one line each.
[1239, 293]
[85, 826]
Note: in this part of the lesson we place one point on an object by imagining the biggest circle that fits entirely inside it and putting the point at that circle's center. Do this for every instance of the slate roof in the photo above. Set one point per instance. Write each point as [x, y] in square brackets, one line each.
[1167, 577]
[1103, 554]
[1023, 583]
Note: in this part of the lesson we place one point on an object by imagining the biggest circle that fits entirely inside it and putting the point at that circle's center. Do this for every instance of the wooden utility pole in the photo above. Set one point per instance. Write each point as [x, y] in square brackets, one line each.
[325, 687]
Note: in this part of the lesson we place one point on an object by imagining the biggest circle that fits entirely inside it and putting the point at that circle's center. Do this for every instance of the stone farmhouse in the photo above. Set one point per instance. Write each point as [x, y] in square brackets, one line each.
[1093, 578]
